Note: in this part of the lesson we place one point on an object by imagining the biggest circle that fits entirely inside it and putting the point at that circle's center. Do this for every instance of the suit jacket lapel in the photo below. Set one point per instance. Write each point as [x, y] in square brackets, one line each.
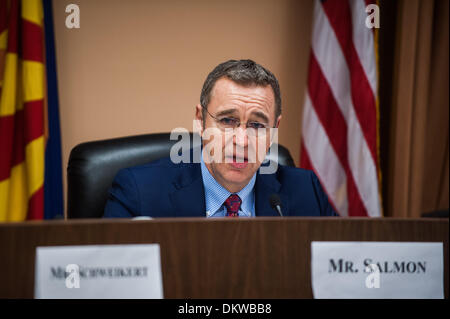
[188, 199]
[266, 185]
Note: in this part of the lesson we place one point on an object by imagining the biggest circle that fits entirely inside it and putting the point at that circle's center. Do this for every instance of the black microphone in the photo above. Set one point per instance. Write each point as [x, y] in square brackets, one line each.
[275, 202]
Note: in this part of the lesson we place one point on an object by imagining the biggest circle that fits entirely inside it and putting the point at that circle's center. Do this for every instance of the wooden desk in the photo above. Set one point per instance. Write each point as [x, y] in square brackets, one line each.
[212, 258]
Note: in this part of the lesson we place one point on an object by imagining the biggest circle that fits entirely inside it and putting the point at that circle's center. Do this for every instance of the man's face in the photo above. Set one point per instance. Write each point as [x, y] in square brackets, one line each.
[235, 166]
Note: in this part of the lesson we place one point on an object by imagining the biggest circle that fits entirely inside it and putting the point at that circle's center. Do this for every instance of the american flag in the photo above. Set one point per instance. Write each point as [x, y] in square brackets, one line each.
[340, 116]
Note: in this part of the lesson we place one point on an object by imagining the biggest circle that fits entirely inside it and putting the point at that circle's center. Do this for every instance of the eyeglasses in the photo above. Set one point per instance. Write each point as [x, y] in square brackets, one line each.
[233, 123]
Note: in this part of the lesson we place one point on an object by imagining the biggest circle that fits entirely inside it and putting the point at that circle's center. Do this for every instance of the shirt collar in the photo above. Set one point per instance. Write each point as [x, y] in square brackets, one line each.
[216, 194]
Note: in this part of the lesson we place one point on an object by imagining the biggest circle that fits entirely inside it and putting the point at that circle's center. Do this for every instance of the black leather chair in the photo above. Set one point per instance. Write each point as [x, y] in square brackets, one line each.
[436, 214]
[93, 166]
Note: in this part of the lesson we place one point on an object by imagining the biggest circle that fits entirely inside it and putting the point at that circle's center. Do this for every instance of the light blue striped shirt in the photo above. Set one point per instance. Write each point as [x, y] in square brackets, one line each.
[216, 194]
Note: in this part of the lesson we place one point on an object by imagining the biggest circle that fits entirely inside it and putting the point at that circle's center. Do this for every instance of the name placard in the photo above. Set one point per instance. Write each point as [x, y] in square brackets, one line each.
[372, 270]
[98, 272]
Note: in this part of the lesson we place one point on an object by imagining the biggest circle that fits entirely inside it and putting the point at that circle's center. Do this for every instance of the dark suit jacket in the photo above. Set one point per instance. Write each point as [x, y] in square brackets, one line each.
[165, 189]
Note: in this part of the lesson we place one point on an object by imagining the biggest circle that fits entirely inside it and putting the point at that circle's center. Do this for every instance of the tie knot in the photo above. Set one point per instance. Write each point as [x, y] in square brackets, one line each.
[232, 204]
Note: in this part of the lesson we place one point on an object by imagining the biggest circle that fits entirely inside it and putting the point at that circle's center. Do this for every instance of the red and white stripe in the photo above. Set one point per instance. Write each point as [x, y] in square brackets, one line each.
[339, 132]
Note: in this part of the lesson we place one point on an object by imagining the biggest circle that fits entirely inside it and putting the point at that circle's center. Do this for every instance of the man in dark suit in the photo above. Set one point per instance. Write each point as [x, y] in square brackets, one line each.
[240, 107]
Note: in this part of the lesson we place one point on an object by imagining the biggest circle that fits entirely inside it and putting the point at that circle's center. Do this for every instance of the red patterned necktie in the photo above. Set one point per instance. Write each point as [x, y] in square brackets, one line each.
[232, 204]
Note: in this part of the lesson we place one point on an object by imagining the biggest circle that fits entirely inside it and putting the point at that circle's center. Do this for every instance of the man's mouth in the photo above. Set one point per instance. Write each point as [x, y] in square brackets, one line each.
[237, 162]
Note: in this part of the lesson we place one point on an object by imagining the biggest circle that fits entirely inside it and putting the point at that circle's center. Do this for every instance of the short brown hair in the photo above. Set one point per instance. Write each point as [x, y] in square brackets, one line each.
[244, 72]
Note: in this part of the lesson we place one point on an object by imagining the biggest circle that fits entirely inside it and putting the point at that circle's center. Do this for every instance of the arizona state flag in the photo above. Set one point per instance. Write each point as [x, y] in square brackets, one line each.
[24, 118]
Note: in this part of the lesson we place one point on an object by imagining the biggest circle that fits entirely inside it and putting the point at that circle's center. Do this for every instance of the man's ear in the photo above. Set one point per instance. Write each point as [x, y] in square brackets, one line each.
[198, 112]
[277, 124]
[198, 119]
[278, 121]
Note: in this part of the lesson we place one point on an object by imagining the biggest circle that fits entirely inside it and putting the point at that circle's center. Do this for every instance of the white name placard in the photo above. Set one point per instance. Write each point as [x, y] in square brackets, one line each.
[388, 270]
[98, 272]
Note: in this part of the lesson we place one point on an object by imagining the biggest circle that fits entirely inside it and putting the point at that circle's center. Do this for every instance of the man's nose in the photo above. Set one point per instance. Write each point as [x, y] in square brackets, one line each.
[240, 136]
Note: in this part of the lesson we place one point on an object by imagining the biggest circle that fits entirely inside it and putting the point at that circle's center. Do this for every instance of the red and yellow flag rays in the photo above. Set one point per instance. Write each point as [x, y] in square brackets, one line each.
[22, 142]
